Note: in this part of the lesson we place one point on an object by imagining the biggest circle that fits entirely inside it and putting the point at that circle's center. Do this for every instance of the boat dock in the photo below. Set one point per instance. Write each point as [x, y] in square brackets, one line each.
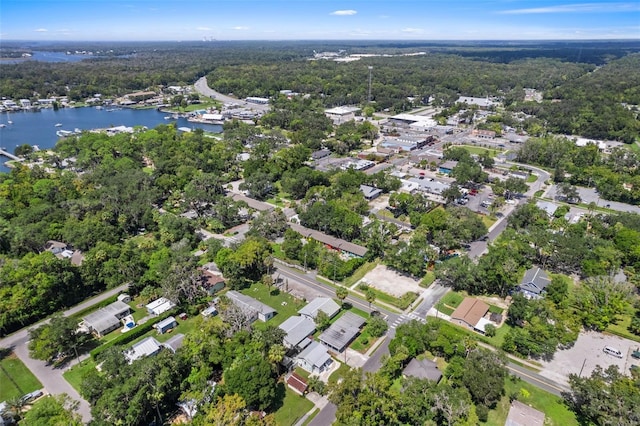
[9, 155]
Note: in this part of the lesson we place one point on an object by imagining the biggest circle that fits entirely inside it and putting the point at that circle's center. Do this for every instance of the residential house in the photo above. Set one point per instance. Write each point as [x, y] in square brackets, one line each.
[160, 306]
[319, 155]
[470, 313]
[534, 283]
[298, 329]
[422, 369]
[166, 325]
[370, 192]
[324, 304]
[329, 241]
[64, 251]
[174, 343]
[549, 207]
[249, 304]
[211, 282]
[315, 359]
[107, 319]
[522, 415]
[146, 347]
[342, 332]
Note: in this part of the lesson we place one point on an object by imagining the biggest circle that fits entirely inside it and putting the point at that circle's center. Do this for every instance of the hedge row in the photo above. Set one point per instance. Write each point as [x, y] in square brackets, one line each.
[138, 331]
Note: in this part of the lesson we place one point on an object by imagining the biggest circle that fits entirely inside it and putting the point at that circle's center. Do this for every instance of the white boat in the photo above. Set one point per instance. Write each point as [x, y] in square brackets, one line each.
[10, 122]
[58, 124]
[2, 126]
[167, 117]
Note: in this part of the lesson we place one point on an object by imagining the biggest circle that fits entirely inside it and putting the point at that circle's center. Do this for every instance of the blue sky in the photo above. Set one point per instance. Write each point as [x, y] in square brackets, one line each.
[318, 19]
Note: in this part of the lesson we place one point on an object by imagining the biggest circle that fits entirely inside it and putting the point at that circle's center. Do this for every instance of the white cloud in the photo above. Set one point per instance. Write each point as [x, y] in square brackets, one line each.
[412, 30]
[576, 8]
[41, 30]
[204, 29]
[348, 12]
[240, 28]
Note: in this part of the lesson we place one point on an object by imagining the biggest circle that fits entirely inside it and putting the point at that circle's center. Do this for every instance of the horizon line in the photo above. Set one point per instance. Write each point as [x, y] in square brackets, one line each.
[199, 40]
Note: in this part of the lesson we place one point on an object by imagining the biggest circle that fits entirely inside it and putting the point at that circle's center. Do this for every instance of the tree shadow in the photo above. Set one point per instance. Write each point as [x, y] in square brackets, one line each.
[278, 401]
[5, 352]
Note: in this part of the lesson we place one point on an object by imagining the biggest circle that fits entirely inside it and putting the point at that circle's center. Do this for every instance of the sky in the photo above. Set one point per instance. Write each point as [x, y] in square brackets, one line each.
[182, 20]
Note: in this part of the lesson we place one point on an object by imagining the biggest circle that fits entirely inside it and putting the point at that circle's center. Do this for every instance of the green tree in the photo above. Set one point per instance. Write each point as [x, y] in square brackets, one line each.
[484, 376]
[57, 339]
[251, 377]
[341, 294]
[58, 410]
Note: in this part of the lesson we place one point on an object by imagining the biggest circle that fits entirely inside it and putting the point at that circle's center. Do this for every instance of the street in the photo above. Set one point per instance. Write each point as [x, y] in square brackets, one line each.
[50, 377]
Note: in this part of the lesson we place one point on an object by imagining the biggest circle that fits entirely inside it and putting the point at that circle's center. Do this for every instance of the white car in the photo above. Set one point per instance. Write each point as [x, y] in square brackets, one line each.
[510, 201]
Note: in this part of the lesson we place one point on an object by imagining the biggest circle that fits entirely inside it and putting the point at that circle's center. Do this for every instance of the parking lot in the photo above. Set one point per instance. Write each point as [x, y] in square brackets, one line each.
[391, 282]
[588, 350]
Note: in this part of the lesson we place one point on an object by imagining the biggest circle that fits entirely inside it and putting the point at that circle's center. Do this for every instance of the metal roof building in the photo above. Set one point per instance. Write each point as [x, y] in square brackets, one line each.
[324, 304]
[145, 347]
[298, 328]
[334, 242]
[315, 358]
[264, 312]
[106, 319]
[342, 332]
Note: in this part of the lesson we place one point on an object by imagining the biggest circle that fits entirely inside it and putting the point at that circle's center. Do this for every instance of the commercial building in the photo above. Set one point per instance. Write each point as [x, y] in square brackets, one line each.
[470, 313]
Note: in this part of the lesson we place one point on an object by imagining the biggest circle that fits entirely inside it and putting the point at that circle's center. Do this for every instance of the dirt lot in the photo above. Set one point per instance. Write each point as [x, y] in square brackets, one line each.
[391, 282]
[588, 350]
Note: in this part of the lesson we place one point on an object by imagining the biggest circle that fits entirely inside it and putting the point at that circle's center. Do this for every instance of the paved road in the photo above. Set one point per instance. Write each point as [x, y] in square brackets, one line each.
[50, 377]
[203, 88]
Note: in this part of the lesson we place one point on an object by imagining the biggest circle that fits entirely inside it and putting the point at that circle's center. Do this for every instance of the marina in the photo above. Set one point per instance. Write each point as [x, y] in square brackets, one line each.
[40, 128]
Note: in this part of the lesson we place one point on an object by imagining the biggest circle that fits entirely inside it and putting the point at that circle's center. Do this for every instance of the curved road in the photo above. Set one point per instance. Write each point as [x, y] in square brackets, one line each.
[50, 377]
[203, 88]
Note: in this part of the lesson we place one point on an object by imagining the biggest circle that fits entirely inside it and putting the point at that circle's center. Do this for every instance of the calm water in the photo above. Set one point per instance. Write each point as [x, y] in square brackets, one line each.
[48, 56]
[39, 128]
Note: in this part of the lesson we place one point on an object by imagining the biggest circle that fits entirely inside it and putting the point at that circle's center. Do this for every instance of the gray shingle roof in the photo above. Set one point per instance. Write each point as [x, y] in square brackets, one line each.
[422, 369]
[535, 280]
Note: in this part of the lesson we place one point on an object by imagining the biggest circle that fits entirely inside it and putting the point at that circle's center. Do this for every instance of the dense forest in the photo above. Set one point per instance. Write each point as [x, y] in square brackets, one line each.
[565, 72]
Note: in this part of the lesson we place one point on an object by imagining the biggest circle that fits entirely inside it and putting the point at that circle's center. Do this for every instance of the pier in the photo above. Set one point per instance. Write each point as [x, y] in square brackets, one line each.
[9, 155]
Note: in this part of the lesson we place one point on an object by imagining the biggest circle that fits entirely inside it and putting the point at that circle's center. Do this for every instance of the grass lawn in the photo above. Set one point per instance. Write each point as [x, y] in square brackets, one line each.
[293, 407]
[620, 328]
[75, 375]
[428, 279]
[556, 413]
[444, 309]
[360, 345]
[359, 273]
[15, 378]
[453, 299]
[538, 193]
[532, 178]
[339, 373]
[478, 150]
[495, 309]
[285, 304]
[488, 220]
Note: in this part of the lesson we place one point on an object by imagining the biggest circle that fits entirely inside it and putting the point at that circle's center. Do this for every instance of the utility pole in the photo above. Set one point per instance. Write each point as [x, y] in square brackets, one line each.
[369, 98]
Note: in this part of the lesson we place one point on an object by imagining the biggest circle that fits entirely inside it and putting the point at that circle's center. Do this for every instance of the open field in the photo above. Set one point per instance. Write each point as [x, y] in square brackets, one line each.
[15, 378]
[391, 282]
[285, 304]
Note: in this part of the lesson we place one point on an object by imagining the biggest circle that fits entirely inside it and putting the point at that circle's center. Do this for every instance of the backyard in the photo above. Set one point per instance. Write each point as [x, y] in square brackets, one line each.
[285, 304]
[15, 377]
[293, 408]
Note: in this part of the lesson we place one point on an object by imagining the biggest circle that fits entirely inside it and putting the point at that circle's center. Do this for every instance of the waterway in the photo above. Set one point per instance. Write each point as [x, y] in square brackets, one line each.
[39, 128]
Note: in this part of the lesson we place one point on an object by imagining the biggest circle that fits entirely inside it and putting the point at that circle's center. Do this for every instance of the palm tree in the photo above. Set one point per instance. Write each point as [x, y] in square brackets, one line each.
[342, 293]
[370, 295]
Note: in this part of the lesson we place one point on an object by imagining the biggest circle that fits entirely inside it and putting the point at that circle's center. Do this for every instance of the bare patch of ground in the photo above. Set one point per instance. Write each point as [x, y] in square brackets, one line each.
[588, 351]
[391, 282]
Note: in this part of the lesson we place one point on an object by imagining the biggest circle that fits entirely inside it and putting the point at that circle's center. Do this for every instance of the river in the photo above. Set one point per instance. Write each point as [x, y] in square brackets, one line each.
[39, 128]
